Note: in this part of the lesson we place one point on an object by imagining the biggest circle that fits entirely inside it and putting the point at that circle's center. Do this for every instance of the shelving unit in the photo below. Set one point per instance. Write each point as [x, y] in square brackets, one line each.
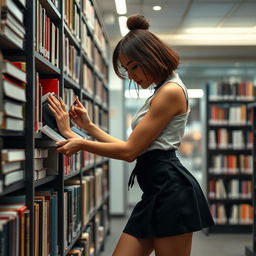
[250, 250]
[29, 139]
[228, 154]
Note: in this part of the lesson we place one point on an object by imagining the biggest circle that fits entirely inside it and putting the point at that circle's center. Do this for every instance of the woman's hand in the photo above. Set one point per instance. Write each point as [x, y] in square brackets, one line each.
[79, 115]
[70, 146]
[58, 108]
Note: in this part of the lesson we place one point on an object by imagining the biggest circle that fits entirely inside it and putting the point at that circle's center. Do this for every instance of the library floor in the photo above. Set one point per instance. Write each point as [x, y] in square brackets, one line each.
[212, 245]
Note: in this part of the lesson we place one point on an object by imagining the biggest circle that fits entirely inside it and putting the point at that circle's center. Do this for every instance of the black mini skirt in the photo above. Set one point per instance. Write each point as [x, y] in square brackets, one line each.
[172, 202]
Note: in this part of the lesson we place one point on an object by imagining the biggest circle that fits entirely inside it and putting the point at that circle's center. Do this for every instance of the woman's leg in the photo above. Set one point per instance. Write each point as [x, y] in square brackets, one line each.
[132, 246]
[179, 245]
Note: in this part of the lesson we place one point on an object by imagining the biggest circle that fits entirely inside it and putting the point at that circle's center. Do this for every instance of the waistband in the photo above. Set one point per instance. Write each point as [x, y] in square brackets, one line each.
[147, 155]
[157, 152]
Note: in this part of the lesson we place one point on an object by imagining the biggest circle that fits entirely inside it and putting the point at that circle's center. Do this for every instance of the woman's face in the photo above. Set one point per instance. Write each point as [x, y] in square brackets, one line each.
[135, 71]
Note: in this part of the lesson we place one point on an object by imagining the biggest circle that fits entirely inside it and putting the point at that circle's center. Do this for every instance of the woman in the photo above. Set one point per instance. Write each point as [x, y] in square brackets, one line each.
[173, 205]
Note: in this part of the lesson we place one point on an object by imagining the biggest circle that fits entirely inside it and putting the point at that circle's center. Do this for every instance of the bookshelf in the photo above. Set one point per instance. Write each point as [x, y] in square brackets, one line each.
[67, 200]
[229, 157]
[250, 250]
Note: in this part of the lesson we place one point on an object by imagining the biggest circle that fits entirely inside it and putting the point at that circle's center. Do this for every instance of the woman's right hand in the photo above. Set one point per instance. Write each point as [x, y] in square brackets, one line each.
[79, 115]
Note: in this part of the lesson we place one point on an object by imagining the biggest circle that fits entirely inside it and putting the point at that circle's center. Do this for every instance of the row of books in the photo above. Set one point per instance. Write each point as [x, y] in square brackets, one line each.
[223, 138]
[93, 237]
[72, 18]
[88, 79]
[86, 207]
[88, 159]
[14, 227]
[104, 121]
[100, 38]
[46, 222]
[231, 164]
[12, 163]
[71, 61]
[72, 163]
[79, 205]
[87, 42]
[101, 92]
[73, 195]
[101, 184]
[12, 95]
[12, 22]
[243, 90]
[89, 12]
[72, 213]
[229, 115]
[233, 189]
[47, 36]
[85, 244]
[238, 214]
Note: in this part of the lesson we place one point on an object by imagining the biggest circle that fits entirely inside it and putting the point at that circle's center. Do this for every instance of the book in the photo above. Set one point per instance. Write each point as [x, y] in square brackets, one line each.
[13, 89]
[13, 177]
[50, 85]
[10, 166]
[51, 133]
[13, 71]
[13, 109]
[48, 116]
[10, 155]
[13, 8]
[11, 124]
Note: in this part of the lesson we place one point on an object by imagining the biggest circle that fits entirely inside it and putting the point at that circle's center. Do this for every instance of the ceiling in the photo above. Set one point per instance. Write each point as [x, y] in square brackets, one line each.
[176, 16]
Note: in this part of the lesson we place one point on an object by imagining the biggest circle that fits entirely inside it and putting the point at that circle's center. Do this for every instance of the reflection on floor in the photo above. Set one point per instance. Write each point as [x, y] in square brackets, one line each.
[212, 245]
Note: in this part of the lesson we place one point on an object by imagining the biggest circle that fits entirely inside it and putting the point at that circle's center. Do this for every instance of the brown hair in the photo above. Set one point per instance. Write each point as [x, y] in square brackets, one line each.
[142, 46]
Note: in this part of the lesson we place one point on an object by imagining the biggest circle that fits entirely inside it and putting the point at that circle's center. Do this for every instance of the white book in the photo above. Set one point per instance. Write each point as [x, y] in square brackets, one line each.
[234, 215]
[11, 166]
[13, 177]
[9, 155]
[13, 91]
[51, 133]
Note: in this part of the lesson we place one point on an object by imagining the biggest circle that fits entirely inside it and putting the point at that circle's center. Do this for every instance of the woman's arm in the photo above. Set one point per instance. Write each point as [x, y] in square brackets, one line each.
[100, 135]
[169, 102]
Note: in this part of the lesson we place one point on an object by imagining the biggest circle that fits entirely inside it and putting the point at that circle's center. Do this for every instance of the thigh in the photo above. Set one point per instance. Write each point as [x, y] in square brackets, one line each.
[132, 246]
[173, 245]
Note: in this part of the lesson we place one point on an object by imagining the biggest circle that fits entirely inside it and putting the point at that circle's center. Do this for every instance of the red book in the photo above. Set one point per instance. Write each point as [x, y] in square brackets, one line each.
[20, 65]
[49, 85]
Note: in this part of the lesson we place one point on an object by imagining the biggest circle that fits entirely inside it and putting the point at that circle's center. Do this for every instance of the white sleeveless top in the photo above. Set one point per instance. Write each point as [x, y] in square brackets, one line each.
[172, 134]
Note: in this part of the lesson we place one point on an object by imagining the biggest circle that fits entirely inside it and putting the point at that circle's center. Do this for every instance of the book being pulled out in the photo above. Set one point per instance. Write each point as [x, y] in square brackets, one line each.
[48, 116]
[51, 133]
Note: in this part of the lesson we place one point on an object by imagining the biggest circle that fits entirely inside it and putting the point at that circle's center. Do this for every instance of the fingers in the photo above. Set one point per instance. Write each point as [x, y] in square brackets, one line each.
[53, 108]
[62, 143]
[57, 105]
[72, 112]
[54, 103]
[63, 105]
[63, 147]
[79, 103]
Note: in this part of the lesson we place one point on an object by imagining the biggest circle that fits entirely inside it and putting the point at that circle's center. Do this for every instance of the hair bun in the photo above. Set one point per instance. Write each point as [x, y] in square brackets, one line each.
[137, 22]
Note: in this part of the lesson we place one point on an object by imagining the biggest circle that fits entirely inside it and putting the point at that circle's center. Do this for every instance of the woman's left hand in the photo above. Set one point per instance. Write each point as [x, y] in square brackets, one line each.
[59, 110]
[70, 146]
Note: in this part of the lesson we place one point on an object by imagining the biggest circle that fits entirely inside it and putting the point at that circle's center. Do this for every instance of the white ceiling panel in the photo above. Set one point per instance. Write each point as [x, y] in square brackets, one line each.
[201, 22]
[240, 22]
[246, 9]
[209, 9]
[168, 10]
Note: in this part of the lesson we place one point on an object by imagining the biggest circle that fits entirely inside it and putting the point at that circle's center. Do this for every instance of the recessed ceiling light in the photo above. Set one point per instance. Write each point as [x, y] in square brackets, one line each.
[157, 8]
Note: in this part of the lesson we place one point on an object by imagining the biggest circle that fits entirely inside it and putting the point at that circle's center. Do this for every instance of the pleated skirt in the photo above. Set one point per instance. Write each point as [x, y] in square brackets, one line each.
[172, 202]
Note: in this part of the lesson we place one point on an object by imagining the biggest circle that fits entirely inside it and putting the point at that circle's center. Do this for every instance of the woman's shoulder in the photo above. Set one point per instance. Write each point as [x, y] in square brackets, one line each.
[170, 90]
